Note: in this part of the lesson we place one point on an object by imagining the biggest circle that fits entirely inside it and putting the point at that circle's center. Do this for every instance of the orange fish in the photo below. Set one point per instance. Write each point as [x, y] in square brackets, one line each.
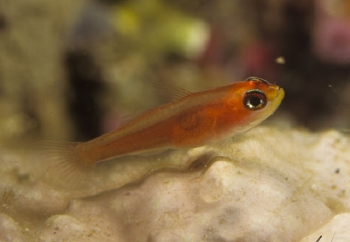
[193, 120]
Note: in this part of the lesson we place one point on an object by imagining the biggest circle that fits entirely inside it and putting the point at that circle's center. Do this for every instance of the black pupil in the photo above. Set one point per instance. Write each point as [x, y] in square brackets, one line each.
[254, 100]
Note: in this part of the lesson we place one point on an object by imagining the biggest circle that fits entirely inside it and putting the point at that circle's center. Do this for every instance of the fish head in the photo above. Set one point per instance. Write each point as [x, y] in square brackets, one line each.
[252, 101]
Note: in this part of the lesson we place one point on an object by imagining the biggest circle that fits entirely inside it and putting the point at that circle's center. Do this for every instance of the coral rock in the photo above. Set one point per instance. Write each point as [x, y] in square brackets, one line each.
[265, 185]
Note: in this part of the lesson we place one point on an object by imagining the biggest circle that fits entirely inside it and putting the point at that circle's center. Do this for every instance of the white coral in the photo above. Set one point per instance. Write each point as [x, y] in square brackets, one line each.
[265, 185]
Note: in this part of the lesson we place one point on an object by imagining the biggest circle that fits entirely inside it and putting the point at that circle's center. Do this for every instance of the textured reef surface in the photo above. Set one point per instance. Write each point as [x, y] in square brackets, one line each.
[265, 185]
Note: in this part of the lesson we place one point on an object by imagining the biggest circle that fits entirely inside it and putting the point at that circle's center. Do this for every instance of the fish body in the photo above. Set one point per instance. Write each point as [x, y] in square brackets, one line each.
[193, 120]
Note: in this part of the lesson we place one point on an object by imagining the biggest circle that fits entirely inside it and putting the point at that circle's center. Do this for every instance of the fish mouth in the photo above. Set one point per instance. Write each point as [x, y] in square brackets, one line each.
[279, 96]
[280, 92]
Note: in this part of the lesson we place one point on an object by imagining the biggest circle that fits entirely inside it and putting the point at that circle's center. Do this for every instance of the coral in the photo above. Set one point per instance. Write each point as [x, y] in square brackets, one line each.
[265, 185]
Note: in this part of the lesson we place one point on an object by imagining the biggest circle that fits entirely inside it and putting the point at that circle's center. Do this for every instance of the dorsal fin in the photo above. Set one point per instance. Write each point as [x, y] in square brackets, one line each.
[169, 91]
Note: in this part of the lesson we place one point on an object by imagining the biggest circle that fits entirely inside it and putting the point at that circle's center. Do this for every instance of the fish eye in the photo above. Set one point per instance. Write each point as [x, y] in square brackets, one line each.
[254, 100]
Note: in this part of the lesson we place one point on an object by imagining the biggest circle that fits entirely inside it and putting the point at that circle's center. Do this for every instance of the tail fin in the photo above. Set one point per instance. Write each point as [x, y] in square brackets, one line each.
[61, 165]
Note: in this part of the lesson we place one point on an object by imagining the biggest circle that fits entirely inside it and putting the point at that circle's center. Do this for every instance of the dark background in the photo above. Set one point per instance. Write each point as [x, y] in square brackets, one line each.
[75, 70]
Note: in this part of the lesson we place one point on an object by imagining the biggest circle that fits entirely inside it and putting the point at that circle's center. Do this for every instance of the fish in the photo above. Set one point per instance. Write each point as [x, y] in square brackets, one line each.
[192, 120]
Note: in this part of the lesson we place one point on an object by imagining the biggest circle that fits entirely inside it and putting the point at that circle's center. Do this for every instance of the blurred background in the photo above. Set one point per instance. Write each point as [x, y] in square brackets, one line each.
[73, 70]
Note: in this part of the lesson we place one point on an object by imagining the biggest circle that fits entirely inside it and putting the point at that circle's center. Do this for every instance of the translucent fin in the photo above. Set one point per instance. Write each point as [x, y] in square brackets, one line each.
[60, 165]
[170, 92]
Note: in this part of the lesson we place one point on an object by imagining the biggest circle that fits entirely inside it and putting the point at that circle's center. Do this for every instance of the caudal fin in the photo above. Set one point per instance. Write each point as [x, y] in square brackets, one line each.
[60, 165]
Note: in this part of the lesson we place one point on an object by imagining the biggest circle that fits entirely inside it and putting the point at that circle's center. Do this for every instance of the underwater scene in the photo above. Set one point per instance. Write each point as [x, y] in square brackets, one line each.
[158, 120]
